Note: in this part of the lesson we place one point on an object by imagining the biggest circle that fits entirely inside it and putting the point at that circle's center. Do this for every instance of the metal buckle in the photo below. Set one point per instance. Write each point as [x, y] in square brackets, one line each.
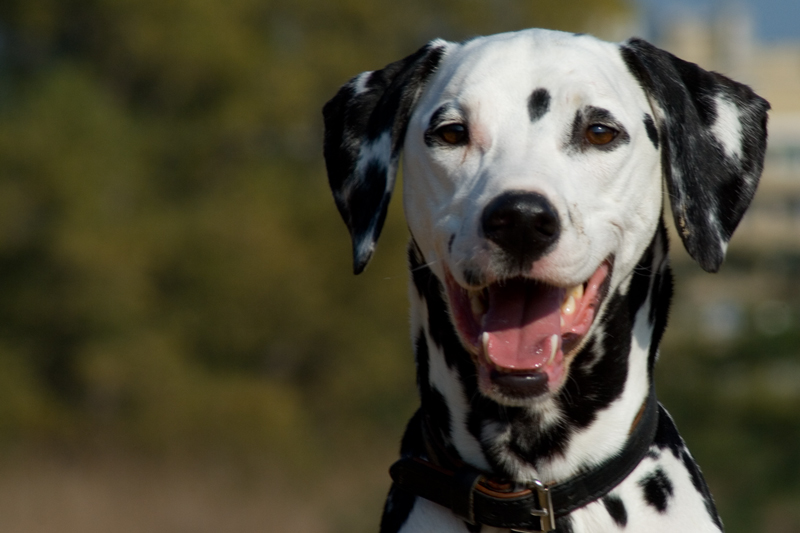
[545, 511]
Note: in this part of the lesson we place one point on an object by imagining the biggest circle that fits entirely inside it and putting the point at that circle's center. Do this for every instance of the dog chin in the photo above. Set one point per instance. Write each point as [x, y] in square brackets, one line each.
[523, 333]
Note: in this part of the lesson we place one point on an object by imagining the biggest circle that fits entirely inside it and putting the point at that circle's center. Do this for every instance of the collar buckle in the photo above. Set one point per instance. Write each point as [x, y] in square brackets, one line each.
[547, 518]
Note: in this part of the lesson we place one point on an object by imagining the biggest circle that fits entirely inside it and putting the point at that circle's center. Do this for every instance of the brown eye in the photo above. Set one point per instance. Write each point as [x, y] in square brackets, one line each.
[599, 134]
[452, 134]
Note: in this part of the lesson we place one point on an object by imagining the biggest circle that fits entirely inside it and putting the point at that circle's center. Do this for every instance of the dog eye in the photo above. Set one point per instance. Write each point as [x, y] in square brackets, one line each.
[454, 134]
[598, 134]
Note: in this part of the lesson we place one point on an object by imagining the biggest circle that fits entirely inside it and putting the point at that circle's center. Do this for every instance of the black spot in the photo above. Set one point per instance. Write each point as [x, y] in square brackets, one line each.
[413, 443]
[657, 489]
[434, 405]
[538, 104]
[367, 196]
[422, 357]
[564, 525]
[640, 282]
[650, 127]
[577, 141]
[399, 503]
[660, 297]
[440, 328]
[701, 487]
[419, 273]
[436, 408]
[616, 509]
[529, 441]
[340, 149]
[450, 243]
[667, 436]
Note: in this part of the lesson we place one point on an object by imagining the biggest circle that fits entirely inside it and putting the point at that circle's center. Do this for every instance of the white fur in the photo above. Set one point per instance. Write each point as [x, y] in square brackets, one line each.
[728, 127]
[359, 84]
[607, 202]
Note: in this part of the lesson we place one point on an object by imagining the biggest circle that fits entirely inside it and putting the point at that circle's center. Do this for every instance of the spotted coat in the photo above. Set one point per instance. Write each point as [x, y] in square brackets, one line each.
[580, 137]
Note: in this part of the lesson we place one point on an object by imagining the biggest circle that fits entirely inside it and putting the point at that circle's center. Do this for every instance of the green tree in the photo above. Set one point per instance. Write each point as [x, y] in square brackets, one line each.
[172, 270]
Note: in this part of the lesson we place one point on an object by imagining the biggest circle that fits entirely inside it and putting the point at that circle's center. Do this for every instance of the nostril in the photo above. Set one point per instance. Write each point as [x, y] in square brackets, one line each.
[524, 224]
[544, 221]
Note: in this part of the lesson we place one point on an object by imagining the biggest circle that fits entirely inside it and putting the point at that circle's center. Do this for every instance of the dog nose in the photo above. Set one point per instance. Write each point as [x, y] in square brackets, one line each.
[524, 224]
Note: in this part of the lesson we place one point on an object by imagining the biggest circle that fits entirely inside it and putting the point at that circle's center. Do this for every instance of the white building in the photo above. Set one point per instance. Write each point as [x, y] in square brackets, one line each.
[727, 44]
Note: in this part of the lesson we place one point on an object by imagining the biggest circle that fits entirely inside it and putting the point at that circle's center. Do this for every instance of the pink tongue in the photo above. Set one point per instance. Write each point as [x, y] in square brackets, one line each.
[522, 318]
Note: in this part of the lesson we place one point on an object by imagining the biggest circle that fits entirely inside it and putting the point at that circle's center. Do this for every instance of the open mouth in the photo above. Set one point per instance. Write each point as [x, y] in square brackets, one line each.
[522, 332]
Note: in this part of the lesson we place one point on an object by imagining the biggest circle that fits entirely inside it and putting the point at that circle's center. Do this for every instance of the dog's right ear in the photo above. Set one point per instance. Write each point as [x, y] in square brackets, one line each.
[365, 124]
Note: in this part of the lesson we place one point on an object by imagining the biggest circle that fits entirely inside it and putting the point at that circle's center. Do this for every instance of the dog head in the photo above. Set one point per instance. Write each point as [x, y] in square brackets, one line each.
[533, 171]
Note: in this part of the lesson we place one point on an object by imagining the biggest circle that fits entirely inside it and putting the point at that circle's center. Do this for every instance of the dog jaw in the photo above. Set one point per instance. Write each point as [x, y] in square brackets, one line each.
[523, 333]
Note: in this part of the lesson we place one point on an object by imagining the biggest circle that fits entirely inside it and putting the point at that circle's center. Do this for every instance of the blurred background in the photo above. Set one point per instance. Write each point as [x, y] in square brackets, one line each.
[183, 347]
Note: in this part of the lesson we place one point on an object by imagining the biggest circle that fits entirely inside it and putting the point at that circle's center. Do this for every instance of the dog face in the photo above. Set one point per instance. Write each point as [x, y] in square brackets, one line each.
[534, 164]
[525, 181]
[566, 121]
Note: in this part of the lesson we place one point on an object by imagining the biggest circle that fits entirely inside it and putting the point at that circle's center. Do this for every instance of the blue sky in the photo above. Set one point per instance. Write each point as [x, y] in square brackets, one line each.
[775, 20]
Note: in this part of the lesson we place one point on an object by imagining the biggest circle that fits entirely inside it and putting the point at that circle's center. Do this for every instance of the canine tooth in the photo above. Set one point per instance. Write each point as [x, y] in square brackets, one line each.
[573, 295]
[577, 291]
[477, 304]
[485, 343]
[568, 307]
[553, 348]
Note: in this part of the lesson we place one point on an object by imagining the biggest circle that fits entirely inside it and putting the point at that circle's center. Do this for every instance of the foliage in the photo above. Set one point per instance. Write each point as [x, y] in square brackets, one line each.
[172, 270]
[174, 275]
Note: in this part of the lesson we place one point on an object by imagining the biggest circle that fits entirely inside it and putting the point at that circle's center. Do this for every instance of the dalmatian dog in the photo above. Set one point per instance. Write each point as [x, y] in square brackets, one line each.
[535, 165]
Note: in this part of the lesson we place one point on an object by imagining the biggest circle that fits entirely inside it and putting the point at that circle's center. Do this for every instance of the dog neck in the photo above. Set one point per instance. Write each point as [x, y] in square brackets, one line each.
[584, 423]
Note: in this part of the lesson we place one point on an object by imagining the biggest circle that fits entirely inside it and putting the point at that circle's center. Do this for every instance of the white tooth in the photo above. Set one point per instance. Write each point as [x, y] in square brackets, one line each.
[553, 348]
[562, 322]
[577, 291]
[568, 307]
[477, 304]
[485, 343]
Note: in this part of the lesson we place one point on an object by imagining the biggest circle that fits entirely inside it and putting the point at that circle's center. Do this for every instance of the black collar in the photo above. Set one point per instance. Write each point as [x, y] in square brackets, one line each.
[481, 500]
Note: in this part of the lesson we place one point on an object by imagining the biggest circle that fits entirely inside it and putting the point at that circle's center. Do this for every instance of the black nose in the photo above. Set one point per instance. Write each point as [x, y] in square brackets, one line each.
[524, 224]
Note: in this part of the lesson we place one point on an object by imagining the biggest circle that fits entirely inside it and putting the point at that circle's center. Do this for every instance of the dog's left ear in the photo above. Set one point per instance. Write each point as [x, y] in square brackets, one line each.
[713, 135]
[365, 124]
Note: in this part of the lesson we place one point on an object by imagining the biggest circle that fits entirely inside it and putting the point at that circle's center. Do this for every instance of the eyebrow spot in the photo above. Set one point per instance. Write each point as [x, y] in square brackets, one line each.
[538, 104]
[650, 127]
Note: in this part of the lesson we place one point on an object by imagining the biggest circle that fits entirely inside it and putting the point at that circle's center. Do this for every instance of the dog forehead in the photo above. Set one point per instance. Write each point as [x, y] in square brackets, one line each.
[506, 67]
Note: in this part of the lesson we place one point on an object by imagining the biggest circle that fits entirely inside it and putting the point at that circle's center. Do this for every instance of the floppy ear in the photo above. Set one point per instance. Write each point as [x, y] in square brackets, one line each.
[365, 124]
[713, 134]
